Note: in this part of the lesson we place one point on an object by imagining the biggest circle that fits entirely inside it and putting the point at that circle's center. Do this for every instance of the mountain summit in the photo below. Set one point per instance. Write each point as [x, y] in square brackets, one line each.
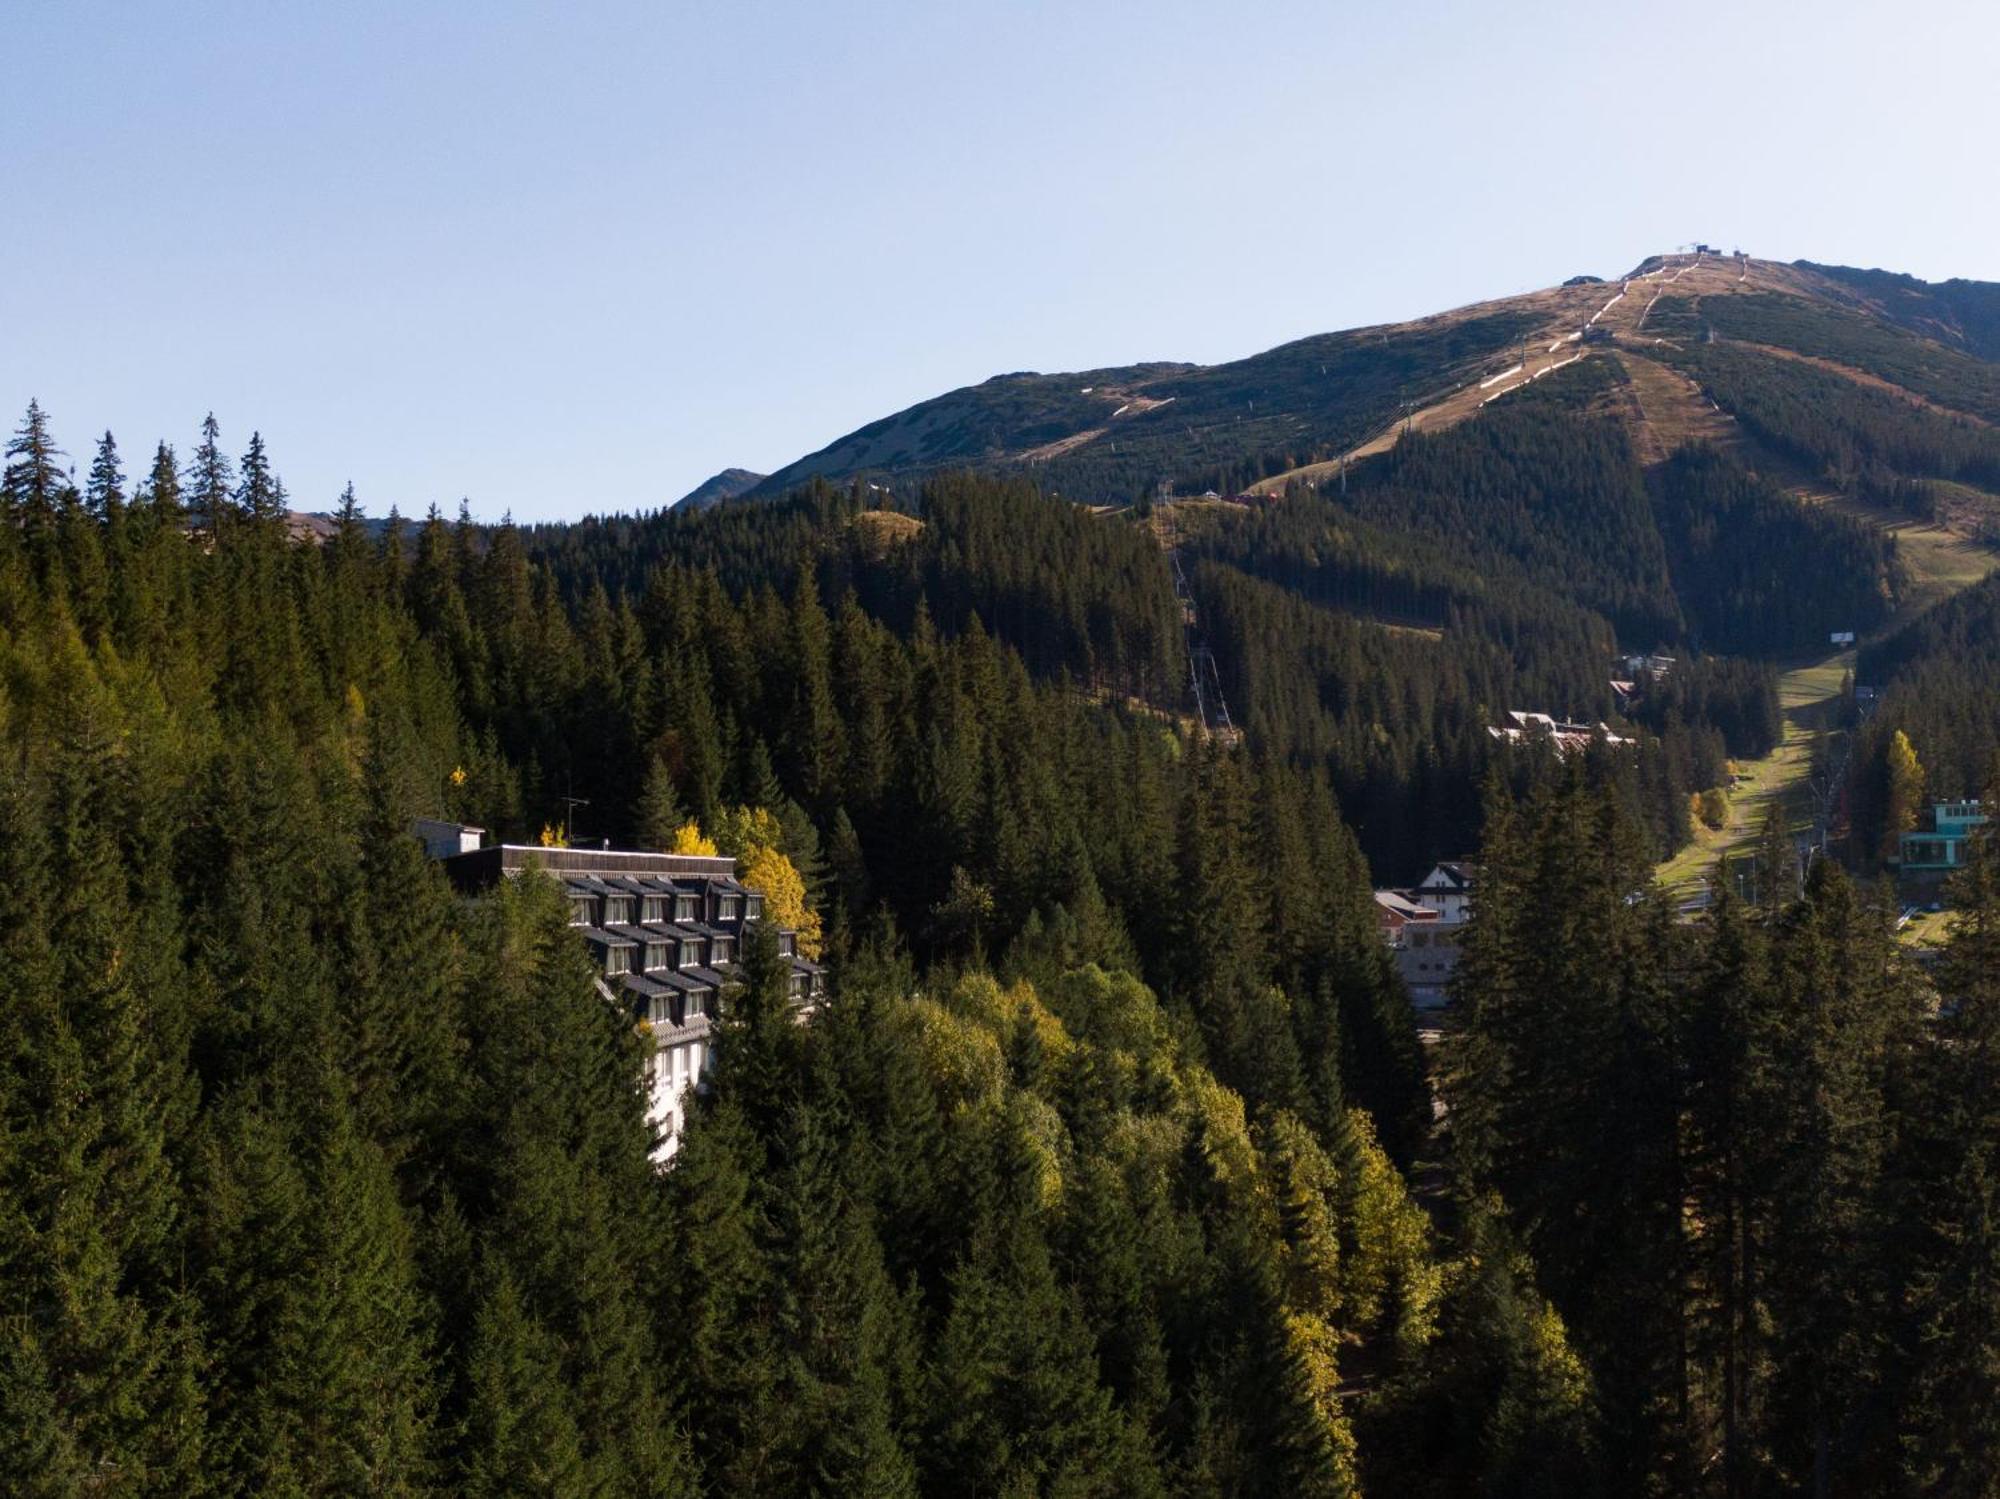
[727, 485]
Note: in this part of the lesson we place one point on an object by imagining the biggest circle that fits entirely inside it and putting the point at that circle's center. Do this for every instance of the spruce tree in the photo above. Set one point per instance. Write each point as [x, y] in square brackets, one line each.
[723, 1355]
[92, 1201]
[1951, 1416]
[1726, 1046]
[1845, 1012]
[520, 1431]
[162, 490]
[660, 811]
[34, 491]
[209, 486]
[1016, 1397]
[836, 1321]
[105, 494]
[402, 1032]
[257, 497]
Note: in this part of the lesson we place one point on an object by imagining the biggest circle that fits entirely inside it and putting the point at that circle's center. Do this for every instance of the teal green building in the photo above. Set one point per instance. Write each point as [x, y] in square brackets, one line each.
[1940, 848]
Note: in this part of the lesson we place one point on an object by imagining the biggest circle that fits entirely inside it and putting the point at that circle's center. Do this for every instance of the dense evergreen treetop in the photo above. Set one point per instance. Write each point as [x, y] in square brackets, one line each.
[1948, 376]
[1834, 425]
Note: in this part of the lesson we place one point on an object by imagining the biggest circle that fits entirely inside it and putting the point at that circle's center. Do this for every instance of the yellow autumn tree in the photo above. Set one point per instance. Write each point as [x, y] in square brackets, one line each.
[753, 837]
[1314, 1346]
[1389, 1271]
[1304, 1186]
[689, 839]
[1906, 793]
[768, 870]
[963, 1059]
[554, 836]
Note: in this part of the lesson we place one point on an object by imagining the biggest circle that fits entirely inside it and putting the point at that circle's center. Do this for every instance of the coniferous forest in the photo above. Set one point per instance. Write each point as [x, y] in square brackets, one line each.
[1116, 1164]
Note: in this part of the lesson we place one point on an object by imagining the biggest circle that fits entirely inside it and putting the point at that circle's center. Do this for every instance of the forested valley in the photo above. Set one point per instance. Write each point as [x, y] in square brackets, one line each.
[1116, 1164]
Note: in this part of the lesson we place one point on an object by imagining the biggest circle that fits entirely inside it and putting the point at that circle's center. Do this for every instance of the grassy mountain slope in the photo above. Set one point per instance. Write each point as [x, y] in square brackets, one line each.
[1111, 435]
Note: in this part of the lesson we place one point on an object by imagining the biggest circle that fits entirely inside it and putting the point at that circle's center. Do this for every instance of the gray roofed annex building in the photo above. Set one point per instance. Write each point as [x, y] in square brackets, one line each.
[666, 931]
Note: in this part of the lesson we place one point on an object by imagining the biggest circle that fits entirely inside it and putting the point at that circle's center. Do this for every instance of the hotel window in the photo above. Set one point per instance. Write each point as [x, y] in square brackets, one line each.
[656, 908]
[579, 911]
[754, 910]
[618, 960]
[617, 910]
[787, 943]
[730, 905]
[656, 955]
[684, 908]
[721, 946]
[690, 955]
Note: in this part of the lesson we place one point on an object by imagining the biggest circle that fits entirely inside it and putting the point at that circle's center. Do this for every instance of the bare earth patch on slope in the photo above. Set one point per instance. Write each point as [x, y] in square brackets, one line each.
[1667, 410]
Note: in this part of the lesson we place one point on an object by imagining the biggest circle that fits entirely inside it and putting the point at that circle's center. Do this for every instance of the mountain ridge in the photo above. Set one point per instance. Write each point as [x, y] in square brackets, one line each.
[730, 484]
[1116, 433]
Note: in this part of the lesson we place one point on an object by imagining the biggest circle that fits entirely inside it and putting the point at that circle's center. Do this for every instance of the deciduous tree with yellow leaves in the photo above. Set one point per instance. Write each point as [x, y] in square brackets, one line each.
[753, 837]
[689, 839]
[1906, 793]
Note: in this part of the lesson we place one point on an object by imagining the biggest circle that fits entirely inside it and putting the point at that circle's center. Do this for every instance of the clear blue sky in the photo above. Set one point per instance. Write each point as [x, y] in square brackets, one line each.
[565, 258]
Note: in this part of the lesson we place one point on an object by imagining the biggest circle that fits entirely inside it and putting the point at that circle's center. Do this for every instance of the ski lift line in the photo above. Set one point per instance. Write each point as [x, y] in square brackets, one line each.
[1496, 379]
[1544, 370]
[1211, 708]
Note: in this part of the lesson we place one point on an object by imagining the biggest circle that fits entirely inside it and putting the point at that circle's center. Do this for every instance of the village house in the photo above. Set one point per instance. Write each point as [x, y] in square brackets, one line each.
[1423, 925]
[1540, 728]
[1447, 889]
[1649, 667]
[666, 934]
[1395, 912]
